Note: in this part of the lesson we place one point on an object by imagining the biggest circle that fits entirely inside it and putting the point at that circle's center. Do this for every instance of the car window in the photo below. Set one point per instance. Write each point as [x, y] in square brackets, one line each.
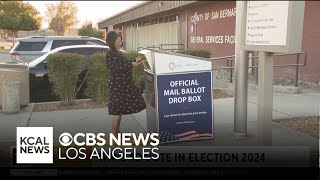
[97, 42]
[31, 46]
[60, 43]
[82, 51]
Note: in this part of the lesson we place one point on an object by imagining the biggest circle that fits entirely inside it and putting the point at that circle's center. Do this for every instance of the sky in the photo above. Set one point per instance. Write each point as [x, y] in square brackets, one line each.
[94, 11]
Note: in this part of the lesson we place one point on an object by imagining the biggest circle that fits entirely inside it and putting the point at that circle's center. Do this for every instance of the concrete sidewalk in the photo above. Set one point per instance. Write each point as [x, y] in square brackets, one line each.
[98, 120]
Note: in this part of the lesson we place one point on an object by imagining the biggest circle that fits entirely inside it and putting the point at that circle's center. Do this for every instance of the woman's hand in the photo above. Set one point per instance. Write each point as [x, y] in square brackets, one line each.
[135, 64]
[140, 57]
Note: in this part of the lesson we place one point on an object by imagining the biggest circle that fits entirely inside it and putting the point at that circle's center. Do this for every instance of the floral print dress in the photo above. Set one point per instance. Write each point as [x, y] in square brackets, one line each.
[124, 97]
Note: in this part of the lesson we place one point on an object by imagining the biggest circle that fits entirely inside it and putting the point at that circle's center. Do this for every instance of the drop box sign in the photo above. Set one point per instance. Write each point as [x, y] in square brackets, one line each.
[185, 106]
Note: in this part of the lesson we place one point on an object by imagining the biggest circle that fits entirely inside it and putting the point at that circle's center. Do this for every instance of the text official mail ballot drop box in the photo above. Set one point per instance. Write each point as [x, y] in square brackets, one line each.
[179, 96]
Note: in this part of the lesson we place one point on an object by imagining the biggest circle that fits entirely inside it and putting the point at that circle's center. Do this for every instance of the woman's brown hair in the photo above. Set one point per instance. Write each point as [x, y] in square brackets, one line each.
[111, 39]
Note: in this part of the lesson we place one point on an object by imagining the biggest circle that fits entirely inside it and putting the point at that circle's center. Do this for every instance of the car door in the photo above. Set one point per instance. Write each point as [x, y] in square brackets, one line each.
[40, 87]
[86, 51]
[82, 51]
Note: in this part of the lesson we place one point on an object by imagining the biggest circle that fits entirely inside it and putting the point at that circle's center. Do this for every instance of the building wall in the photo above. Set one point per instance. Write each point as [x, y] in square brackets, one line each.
[164, 33]
[310, 45]
[23, 34]
[72, 32]
[130, 38]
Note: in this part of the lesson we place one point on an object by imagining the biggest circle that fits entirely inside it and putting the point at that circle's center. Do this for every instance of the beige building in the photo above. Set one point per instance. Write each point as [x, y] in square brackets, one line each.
[168, 23]
[46, 32]
[43, 32]
[72, 32]
[158, 24]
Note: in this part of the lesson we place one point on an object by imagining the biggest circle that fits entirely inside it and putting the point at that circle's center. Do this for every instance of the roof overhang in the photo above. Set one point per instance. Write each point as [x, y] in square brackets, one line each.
[144, 10]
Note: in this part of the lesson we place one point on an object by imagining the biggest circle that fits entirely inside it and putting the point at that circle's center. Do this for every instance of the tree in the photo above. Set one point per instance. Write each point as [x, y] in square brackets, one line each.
[3, 34]
[17, 15]
[61, 16]
[87, 30]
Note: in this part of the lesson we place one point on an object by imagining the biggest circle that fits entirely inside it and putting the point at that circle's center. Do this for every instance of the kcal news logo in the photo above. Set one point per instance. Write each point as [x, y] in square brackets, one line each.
[34, 145]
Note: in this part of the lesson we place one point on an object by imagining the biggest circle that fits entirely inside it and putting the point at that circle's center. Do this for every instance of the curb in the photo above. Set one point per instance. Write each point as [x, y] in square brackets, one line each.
[76, 101]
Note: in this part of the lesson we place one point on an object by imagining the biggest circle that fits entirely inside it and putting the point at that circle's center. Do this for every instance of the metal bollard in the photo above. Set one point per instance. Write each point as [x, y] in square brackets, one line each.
[11, 97]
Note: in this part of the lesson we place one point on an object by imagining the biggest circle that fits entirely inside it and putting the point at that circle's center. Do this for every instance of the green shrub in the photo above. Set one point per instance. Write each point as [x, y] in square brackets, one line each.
[138, 72]
[97, 81]
[199, 53]
[63, 71]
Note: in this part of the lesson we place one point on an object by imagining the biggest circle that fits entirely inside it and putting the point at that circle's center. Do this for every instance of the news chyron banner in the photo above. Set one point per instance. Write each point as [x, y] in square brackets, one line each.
[185, 106]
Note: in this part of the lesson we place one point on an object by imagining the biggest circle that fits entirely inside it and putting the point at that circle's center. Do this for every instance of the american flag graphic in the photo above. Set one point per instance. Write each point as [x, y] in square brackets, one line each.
[192, 135]
[166, 136]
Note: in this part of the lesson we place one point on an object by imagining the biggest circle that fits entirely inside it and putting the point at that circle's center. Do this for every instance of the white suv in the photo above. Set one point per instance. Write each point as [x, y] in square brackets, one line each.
[30, 48]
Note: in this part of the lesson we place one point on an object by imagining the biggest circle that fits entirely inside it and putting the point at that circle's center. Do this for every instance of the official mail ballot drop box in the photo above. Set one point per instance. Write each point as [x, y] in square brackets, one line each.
[178, 95]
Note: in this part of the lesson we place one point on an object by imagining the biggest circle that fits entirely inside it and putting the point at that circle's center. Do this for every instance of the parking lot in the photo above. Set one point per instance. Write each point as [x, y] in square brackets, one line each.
[4, 56]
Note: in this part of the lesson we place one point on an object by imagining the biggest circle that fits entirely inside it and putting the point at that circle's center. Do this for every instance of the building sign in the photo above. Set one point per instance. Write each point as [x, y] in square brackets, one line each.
[185, 106]
[195, 18]
[211, 37]
[273, 26]
[219, 39]
[213, 15]
[267, 22]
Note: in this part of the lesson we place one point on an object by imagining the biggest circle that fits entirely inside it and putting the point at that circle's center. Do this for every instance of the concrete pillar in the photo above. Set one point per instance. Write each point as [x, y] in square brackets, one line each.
[10, 96]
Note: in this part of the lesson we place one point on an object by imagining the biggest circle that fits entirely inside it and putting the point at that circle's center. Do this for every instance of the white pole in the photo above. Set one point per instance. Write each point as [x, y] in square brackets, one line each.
[241, 74]
[196, 34]
[196, 20]
[265, 98]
